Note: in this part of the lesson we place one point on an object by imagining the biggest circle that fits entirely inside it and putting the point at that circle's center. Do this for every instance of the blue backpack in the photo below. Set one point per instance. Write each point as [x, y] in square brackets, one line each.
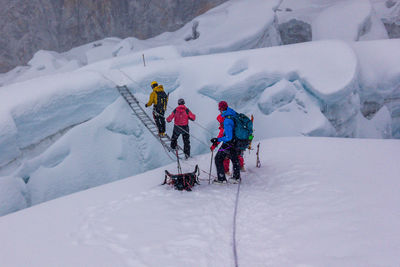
[243, 130]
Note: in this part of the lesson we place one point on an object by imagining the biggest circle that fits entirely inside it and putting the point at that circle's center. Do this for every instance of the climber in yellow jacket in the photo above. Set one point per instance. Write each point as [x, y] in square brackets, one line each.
[159, 99]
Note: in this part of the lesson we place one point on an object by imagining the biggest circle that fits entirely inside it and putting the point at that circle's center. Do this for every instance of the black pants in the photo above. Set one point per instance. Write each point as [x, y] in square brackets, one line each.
[184, 130]
[159, 120]
[230, 151]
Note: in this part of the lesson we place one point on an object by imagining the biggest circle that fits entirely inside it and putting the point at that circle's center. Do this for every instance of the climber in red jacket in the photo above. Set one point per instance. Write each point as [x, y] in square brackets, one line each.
[220, 119]
[181, 116]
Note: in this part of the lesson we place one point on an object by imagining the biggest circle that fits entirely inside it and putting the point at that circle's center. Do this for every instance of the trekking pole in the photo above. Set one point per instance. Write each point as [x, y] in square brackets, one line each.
[252, 120]
[258, 163]
[209, 174]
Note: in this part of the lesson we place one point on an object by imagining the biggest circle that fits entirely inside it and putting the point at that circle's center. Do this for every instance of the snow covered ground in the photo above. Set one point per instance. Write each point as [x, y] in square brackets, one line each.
[313, 202]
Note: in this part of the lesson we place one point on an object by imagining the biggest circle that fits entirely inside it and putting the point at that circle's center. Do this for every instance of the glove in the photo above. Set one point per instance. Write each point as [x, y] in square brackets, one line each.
[214, 141]
[146, 105]
[212, 147]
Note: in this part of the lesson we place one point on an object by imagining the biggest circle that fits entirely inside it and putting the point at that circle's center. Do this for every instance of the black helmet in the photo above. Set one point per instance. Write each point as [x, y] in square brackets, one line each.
[181, 101]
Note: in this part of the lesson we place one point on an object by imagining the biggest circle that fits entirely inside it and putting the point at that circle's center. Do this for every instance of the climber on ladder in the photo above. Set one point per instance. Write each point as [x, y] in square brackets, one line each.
[159, 99]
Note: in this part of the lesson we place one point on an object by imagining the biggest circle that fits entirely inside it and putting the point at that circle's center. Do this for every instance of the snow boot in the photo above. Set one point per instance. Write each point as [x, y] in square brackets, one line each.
[233, 180]
[217, 181]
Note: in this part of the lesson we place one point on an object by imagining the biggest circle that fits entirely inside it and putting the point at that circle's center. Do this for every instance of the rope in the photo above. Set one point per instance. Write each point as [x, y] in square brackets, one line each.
[126, 75]
[179, 164]
[206, 172]
[235, 255]
[205, 129]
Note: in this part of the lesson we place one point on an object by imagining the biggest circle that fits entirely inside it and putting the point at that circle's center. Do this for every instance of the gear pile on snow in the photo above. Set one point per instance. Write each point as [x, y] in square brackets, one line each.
[183, 181]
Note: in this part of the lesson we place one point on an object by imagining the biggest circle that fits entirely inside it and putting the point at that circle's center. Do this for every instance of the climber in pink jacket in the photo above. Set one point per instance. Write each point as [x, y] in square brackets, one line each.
[181, 116]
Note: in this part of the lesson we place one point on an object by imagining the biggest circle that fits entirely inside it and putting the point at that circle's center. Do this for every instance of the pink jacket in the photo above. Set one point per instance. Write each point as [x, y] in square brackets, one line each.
[182, 116]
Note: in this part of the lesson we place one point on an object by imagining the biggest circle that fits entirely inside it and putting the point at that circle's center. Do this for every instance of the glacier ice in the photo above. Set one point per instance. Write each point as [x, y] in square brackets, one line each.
[276, 96]
[13, 194]
[70, 131]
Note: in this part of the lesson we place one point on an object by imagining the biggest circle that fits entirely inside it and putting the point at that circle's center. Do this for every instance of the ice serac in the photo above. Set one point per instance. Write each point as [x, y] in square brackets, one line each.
[114, 145]
[326, 70]
[46, 63]
[379, 126]
[276, 96]
[389, 12]
[8, 138]
[292, 111]
[352, 20]
[257, 30]
[380, 78]
[338, 99]
[43, 107]
[13, 194]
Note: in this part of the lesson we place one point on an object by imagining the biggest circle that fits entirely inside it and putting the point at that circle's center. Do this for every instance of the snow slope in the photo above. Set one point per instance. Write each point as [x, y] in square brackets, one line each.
[313, 202]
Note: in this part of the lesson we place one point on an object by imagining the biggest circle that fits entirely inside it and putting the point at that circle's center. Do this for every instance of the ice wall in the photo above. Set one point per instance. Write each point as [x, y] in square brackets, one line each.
[379, 79]
[35, 110]
[349, 20]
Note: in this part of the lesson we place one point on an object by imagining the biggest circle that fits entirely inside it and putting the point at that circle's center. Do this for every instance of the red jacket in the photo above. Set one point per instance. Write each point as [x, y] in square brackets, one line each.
[182, 116]
[220, 119]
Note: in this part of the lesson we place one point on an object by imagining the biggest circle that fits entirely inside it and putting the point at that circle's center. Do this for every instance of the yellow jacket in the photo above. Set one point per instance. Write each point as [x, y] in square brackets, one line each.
[153, 95]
